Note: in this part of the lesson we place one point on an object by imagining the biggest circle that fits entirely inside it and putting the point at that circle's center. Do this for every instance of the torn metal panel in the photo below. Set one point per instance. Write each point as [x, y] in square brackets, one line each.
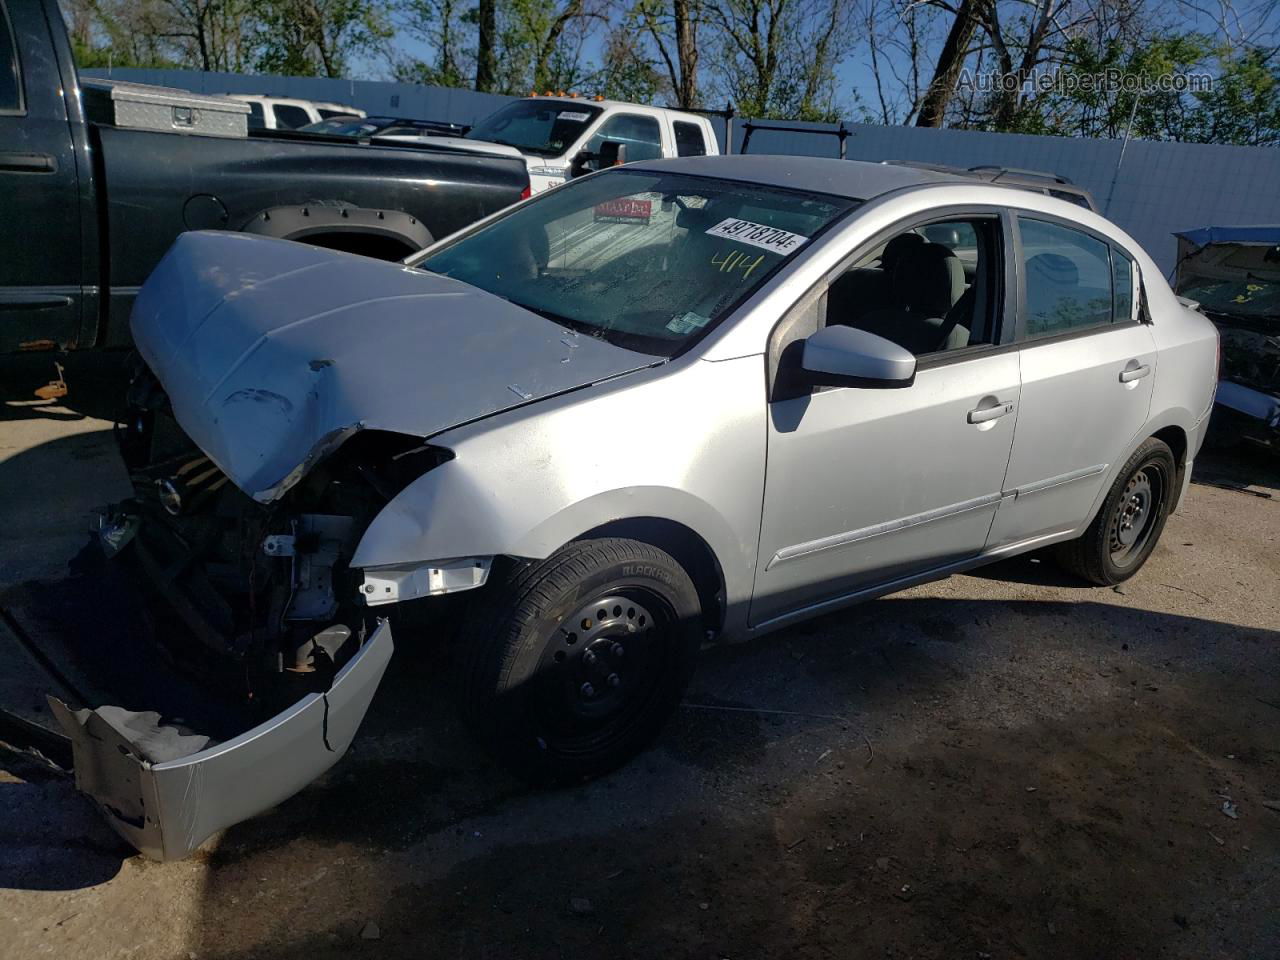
[167, 791]
[273, 354]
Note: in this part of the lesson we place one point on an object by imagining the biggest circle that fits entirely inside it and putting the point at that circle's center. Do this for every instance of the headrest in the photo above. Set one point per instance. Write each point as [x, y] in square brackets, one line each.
[928, 279]
[896, 247]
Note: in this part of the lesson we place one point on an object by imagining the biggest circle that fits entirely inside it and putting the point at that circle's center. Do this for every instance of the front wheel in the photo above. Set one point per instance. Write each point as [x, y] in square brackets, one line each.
[1130, 521]
[578, 660]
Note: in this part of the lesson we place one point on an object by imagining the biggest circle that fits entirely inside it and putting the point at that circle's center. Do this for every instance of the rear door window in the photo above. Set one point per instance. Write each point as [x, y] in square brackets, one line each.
[10, 78]
[290, 117]
[1067, 279]
[689, 141]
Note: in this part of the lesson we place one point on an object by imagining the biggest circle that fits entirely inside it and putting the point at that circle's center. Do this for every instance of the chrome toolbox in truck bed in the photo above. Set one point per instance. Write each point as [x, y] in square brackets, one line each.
[144, 107]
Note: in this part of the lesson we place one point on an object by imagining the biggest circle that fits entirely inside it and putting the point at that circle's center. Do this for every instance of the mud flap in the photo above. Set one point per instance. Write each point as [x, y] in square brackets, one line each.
[169, 808]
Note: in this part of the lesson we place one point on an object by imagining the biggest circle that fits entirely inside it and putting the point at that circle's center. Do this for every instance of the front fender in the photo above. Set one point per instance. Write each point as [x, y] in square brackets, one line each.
[684, 444]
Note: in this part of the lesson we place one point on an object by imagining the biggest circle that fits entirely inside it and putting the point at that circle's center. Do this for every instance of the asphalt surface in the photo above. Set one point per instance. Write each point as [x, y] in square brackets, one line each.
[1007, 764]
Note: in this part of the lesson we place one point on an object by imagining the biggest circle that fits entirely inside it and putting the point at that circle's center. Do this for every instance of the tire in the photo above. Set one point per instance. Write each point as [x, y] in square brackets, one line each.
[560, 693]
[1129, 523]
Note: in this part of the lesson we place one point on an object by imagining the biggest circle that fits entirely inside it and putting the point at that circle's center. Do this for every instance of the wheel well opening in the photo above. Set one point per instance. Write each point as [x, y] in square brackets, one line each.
[687, 548]
[365, 244]
[1176, 439]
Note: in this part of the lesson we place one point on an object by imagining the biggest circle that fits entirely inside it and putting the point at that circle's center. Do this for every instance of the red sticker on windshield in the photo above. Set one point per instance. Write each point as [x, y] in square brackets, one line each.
[624, 210]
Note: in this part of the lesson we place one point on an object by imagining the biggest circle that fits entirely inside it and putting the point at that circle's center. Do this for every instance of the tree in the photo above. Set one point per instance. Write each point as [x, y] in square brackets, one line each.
[487, 23]
[444, 25]
[777, 58]
[317, 37]
[627, 71]
[950, 63]
[673, 30]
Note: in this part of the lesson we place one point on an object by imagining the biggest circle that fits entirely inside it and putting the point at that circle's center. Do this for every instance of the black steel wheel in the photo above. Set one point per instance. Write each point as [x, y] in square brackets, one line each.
[577, 661]
[1127, 526]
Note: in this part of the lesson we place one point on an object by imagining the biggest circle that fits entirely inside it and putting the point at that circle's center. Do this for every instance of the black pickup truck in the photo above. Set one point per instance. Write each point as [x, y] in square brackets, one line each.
[87, 208]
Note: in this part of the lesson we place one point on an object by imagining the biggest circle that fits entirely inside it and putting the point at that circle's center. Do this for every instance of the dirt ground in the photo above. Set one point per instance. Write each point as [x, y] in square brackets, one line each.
[1007, 764]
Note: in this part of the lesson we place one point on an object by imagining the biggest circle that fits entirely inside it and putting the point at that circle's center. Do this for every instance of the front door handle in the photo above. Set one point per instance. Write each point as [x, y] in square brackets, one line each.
[1130, 374]
[983, 414]
[27, 162]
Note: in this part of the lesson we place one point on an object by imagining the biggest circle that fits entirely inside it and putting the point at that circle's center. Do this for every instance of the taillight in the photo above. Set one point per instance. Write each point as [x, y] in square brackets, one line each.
[526, 193]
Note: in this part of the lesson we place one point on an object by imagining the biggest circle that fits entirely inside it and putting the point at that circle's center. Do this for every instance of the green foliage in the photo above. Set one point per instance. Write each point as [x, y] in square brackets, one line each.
[107, 56]
[628, 73]
[307, 38]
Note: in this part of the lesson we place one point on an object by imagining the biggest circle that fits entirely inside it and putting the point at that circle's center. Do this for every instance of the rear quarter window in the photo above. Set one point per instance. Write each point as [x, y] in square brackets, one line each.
[290, 117]
[689, 141]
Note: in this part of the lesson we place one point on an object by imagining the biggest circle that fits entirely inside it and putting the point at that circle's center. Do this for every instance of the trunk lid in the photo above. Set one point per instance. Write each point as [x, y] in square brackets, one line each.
[273, 352]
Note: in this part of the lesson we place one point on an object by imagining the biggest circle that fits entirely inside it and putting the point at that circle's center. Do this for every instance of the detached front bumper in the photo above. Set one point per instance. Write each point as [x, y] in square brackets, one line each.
[1251, 413]
[167, 804]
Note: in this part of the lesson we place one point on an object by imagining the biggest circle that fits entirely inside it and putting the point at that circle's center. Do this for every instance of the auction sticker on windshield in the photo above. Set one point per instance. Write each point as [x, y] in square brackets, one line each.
[758, 235]
[575, 115]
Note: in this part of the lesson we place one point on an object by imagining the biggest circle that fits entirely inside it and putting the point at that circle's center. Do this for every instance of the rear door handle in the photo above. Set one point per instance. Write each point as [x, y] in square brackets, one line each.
[983, 414]
[27, 162]
[1129, 374]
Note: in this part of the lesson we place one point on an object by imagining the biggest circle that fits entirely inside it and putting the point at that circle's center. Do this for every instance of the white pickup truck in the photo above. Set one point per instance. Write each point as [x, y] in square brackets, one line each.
[561, 137]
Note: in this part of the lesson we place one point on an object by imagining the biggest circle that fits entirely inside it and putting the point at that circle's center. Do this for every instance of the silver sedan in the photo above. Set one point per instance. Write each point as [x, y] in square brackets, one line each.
[668, 403]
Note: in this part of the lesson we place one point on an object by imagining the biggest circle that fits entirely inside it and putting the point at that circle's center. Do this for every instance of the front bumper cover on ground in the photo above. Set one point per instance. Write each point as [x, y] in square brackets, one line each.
[169, 807]
[1252, 414]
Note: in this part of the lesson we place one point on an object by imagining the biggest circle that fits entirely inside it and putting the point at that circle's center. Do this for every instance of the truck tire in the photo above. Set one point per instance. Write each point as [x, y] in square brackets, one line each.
[1129, 523]
[575, 662]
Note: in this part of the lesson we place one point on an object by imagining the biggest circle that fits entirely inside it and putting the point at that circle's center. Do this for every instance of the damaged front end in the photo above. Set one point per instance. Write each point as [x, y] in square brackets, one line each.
[281, 401]
[1248, 398]
[1233, 275]
[257, 599]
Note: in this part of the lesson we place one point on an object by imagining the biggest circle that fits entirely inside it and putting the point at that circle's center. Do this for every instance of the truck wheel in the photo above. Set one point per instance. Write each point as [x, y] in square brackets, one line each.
[1130, 521]
[579, 659]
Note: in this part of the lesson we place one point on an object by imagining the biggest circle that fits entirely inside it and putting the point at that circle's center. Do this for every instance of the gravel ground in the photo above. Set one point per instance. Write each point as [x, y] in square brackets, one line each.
[1006, 764]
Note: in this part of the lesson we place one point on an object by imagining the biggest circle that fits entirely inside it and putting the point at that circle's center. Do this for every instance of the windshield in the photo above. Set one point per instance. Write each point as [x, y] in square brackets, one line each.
[344, 127]
[546, 128]
[646, 260]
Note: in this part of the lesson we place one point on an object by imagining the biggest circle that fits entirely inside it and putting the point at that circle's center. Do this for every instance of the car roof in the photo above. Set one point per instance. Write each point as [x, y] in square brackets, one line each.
[608, 104]
[856, 179]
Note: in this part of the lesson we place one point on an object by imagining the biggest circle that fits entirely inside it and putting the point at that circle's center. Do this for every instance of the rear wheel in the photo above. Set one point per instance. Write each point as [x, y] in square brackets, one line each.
[580, 659]
[1130, 521]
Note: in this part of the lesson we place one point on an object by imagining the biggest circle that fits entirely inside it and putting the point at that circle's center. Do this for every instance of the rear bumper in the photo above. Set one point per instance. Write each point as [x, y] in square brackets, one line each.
[169, 808]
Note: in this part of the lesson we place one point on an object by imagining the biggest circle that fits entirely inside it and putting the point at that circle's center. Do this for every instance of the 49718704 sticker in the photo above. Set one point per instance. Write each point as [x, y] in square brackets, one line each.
[758, 235]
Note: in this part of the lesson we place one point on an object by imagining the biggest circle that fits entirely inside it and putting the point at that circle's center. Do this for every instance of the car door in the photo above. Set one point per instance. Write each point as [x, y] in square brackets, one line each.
[865, 486]
[40, 248]
[1088, 368]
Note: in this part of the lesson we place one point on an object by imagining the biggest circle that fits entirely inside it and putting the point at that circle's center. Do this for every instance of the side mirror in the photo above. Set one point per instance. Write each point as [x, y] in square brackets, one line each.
[612, 154]
[849, 357]
[581, 163]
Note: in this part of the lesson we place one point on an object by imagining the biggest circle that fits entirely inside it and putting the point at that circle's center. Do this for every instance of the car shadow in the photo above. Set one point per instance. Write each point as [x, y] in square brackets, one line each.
[912, 768]
[866, 777]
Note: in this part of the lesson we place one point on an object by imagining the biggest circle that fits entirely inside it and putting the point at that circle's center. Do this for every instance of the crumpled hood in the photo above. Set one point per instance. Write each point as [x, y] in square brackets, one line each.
[272, 352]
